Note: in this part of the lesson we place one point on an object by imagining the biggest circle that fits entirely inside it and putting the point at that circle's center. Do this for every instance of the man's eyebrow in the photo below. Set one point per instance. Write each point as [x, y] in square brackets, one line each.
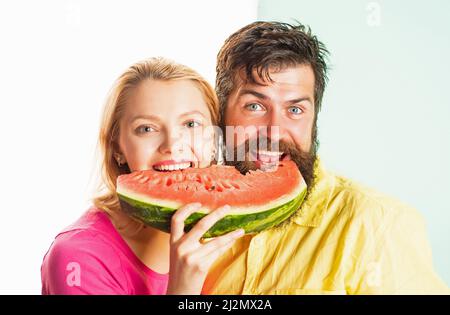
[300, 99]
[254, 93]
[265, 97]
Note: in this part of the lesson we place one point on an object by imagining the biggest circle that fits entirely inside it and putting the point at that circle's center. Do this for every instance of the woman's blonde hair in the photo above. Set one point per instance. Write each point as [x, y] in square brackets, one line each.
[150, 69]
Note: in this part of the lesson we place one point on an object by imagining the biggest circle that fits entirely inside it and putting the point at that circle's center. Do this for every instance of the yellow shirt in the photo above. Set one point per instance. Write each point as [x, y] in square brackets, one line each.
[346, 239]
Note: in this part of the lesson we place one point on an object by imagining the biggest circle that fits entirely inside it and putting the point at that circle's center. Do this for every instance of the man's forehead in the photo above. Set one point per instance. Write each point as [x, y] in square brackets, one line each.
[298, 78]
[275, 75]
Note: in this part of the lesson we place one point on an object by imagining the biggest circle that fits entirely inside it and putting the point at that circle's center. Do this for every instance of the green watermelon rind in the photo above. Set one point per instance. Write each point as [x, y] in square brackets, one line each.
[159, 217]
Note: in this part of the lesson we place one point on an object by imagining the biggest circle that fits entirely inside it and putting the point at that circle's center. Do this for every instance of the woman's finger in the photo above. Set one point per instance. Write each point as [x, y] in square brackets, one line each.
[202, 226]
[219, 242]
[177, 221]
[214, 252]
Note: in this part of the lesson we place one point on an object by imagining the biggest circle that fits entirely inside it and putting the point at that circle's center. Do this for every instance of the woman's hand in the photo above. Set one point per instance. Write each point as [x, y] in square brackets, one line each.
[190, 260]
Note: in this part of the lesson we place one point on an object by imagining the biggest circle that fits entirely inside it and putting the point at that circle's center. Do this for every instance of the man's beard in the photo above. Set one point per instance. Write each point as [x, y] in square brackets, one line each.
[305, 160]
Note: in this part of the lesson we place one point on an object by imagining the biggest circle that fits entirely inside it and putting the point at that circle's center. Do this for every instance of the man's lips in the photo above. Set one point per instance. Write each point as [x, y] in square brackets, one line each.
[268, 157]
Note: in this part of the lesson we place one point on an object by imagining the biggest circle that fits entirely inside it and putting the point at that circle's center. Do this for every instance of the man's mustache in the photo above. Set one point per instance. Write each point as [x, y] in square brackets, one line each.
[304, 160]
[266, 145]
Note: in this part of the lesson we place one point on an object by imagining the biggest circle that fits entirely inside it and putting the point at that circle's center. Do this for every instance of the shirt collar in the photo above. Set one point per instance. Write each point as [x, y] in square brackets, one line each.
[313, 209]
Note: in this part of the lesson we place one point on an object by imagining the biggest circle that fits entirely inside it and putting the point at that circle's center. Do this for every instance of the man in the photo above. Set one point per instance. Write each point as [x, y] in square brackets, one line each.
[346, 238]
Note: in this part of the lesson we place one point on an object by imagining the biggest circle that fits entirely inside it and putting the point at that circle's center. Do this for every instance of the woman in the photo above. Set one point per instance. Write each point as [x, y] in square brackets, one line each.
[155, 117]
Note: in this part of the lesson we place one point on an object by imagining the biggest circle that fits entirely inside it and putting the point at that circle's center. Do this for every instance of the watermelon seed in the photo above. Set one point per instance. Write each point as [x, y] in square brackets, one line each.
[243, 183]
[143, 180]
[207, 178]
[179, 177]
[155, 181]
[235, 185]
[226, 184]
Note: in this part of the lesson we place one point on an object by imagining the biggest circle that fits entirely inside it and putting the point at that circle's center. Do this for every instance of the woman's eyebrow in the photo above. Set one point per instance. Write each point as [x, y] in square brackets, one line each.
[148, 117]
[192, 112]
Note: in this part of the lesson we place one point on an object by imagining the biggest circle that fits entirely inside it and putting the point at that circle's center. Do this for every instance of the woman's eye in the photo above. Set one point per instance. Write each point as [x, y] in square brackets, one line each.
[145, 129]
[254, 107]
[192, 124]
[295, 110]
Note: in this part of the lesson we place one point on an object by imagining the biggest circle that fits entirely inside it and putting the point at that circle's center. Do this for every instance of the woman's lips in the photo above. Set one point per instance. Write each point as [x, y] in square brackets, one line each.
[171, 162]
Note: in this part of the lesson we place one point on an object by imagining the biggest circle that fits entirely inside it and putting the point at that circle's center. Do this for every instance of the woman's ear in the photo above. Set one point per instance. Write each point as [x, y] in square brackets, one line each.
[120, 159]
[118, 155]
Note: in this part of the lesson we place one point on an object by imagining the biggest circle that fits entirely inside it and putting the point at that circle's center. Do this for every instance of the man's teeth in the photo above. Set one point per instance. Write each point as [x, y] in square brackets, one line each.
[172, 167]
[270, 153]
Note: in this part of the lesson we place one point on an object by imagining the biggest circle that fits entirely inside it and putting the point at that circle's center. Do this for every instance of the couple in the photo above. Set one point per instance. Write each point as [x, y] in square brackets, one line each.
[345, 239]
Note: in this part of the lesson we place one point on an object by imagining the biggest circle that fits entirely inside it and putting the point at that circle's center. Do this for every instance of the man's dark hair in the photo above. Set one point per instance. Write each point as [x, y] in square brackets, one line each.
[262, 46]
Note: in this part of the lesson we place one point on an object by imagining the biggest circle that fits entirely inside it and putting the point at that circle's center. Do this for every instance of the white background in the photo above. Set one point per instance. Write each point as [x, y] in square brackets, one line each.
[58, 61]
[384, 120]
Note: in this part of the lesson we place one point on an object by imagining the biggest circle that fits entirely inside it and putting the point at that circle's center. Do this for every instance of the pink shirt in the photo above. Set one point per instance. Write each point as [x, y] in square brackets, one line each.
[90, 257]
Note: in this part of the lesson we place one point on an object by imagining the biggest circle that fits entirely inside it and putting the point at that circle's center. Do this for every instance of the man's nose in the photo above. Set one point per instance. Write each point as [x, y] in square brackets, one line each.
[274, 128]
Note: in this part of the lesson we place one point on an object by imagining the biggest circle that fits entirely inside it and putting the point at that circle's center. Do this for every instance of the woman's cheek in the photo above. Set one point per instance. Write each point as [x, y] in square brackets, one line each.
[204, 150]
[148, 153]
[140, 155]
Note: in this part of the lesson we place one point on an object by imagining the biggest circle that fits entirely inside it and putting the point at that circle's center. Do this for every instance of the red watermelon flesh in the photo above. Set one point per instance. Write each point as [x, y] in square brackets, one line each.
[150, 195]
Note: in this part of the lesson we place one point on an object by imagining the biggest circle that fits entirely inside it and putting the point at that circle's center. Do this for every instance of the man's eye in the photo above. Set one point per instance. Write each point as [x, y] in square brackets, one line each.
[192, 124]
[254, 107]
[295, 110]
[145, 129]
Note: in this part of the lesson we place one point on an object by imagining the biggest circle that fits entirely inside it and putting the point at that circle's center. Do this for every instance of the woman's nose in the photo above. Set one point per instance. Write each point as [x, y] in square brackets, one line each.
[172, 144]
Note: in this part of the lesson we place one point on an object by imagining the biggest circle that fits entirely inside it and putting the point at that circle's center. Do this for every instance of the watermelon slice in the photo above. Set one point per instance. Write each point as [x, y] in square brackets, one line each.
[259, 200]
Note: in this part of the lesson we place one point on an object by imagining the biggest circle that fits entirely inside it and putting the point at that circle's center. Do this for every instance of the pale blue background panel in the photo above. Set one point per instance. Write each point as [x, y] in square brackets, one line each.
[385, 119]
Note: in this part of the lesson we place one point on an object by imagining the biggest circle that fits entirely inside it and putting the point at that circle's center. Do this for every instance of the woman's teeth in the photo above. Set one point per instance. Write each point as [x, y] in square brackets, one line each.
[172, 167]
